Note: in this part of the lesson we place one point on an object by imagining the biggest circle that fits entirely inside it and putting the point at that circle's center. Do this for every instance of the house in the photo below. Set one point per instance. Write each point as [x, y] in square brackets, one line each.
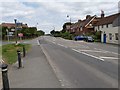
[83, 27]
[12, 25]
[109, 26]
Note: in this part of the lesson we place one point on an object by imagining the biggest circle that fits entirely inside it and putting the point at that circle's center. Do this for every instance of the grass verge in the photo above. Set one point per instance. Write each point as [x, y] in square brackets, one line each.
[9, 52]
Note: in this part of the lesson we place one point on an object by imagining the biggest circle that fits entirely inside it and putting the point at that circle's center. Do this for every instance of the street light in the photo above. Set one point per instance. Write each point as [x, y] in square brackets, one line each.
[7, 34]
[54, 28]
[68, 16]
[15, 30]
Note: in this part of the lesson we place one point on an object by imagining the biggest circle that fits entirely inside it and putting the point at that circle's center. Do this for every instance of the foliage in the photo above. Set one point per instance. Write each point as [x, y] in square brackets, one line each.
[29, 32]
[66, 35]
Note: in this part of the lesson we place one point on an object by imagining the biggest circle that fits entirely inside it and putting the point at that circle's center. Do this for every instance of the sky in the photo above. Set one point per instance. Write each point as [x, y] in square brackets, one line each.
[47, 15]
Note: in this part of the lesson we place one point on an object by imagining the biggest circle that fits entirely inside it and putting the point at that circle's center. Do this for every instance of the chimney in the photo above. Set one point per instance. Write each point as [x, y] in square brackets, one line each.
[88, 16]
[79, 20]
[102, 14]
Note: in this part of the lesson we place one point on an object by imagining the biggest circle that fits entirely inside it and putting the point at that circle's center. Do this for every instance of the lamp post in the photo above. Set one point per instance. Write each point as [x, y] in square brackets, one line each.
[15, 31]
[54, 28]
[7, 35]
[68, 16]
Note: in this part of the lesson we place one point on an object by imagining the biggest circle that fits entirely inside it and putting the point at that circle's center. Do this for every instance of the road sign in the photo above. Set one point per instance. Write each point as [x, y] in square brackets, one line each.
[20, 34]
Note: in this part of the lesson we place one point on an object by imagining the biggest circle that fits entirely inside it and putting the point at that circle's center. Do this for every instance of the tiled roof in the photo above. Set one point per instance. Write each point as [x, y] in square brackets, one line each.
[107, 20]
[10, 25]
[84, 22]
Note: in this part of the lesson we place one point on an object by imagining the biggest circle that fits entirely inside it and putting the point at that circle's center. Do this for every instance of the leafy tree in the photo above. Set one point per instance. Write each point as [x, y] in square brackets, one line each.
[52, 32]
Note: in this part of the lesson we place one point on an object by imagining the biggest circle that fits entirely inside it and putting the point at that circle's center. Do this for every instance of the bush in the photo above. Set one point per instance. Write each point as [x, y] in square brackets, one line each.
[67, 35]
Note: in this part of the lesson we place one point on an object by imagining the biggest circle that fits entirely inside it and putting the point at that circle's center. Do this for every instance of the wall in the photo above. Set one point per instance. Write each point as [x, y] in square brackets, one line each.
[112, 30]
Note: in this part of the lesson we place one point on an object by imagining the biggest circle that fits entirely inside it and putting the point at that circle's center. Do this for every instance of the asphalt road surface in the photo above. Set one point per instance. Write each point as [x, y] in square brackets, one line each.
[79, 64]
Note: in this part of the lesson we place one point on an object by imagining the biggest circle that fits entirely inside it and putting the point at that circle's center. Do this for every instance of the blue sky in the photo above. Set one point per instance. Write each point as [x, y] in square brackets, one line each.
[53, 13]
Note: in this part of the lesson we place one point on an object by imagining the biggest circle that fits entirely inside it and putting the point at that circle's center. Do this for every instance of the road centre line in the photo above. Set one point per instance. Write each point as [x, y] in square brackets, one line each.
[54, 42]
[88, 55]
[62, 45]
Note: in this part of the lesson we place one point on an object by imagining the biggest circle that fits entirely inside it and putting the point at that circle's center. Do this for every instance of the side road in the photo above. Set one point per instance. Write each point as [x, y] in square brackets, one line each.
[36, 73]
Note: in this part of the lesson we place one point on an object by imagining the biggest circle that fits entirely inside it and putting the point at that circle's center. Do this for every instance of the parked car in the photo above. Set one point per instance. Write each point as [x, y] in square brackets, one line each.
[79, 38]
[89, 39]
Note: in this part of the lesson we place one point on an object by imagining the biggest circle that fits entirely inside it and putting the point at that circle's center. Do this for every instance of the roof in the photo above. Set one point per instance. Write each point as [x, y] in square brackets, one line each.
[10, 25]
[107, 20]
[84, 22]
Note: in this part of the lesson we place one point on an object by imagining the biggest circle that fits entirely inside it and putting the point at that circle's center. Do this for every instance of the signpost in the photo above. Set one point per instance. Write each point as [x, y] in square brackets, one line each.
[20, 35]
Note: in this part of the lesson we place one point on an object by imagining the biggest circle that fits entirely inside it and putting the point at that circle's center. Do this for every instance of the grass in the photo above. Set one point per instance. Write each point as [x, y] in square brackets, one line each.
[9, 52]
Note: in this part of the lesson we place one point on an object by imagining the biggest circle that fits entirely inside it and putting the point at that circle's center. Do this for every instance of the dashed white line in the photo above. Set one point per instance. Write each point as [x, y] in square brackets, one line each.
[54, 42]
[88, 55]
[62, 45]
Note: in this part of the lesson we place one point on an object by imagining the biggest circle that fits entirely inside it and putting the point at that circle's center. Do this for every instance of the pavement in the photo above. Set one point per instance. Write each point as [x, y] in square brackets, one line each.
[35, 73]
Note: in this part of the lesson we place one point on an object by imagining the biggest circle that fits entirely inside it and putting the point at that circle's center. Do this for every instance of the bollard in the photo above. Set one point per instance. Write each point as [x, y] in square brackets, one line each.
[5, 77]
[19, 59]
[24, 52]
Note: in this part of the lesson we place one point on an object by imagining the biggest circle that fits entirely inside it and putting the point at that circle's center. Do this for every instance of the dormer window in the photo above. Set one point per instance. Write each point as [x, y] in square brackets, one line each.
[80, 28]
[98, 27]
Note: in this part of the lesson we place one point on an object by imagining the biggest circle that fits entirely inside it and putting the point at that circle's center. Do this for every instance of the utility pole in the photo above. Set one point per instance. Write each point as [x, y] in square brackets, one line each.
[7, 34]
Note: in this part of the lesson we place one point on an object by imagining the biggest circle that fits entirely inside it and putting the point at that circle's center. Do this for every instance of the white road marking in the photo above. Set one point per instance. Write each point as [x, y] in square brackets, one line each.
[108, 57]
[54, 42]
[62, 45]
[88, 55]
[38, 42]
[106, 51]
[92, 51]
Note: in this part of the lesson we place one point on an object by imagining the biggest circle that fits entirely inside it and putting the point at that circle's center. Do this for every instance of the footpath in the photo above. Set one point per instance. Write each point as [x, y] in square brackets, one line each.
[36, 73]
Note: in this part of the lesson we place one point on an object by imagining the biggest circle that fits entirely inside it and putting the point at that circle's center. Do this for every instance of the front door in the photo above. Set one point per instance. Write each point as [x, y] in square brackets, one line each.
[104, 38]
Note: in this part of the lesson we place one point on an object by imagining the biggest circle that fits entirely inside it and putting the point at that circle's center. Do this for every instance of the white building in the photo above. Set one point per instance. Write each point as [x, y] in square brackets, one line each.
[109, 27]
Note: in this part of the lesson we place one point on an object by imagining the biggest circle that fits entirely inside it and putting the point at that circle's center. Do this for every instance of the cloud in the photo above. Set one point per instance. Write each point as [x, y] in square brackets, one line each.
[53, 13]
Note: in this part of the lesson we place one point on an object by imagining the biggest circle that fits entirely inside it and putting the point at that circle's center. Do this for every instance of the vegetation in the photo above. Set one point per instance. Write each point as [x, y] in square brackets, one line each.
[9, 52]
[65, 35]
[30, 32]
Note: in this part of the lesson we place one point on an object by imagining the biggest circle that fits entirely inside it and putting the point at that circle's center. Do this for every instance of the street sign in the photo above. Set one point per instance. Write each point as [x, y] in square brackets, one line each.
[10, 33]
[12, 29]
[20, 34]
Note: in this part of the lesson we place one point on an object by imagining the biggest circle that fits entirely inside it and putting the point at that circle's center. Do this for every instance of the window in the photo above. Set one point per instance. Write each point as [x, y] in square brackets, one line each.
[102, 26]
[107, 26]
[110, 36]
[98, 27]
[81, 29]
[116, 36]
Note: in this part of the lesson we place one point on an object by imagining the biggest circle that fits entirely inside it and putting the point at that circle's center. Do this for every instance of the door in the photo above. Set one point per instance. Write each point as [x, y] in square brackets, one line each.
[104, 38]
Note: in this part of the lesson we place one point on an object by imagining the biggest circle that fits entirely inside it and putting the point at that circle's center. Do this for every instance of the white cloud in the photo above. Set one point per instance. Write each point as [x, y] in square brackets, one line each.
[49, 14]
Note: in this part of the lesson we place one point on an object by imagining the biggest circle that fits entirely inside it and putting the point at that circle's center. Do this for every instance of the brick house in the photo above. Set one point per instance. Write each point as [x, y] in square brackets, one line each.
[82, 27]
[12, 25]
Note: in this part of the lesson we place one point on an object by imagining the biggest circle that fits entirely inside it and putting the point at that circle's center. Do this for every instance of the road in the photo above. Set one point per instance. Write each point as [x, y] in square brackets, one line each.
[79, 64]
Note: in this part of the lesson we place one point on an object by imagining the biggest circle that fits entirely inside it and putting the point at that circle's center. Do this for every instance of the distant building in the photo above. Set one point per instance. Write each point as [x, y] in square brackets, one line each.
[109, 28]
[12, 25]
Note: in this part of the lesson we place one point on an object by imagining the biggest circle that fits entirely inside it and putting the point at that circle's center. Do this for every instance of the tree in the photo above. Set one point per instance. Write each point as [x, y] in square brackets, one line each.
[40, 32]
[52, 32]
